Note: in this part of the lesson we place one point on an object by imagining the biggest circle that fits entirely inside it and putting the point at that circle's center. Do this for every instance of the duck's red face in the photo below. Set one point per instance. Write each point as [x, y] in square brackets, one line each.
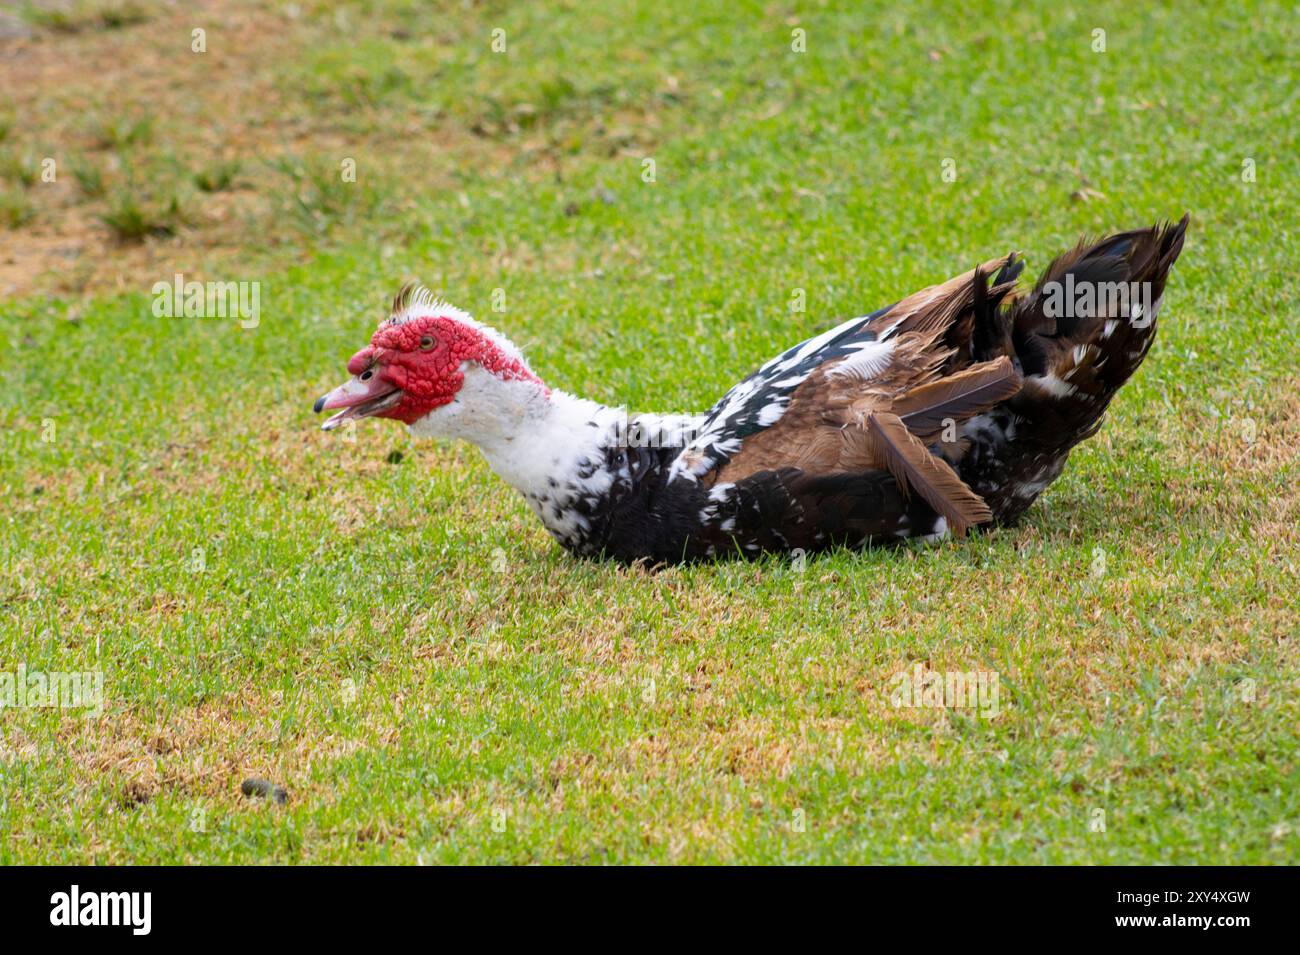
[415, 365]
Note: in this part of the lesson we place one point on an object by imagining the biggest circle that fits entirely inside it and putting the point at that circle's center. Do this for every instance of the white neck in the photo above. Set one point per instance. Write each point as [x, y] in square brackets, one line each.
[551, 446]
[533, 439]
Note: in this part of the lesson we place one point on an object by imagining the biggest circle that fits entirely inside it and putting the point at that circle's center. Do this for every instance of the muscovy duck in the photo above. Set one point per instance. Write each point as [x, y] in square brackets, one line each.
[950, 409]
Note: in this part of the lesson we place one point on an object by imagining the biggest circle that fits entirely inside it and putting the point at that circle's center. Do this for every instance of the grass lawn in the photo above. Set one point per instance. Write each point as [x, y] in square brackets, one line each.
[383, 629]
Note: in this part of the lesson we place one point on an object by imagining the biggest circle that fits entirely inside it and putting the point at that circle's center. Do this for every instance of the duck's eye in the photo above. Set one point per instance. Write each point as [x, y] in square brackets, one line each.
[367, 374]
[426, 343]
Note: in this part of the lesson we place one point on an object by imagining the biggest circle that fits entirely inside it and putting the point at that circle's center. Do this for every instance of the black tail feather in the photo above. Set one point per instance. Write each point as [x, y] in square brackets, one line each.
[1140, 259]
[1074, 359]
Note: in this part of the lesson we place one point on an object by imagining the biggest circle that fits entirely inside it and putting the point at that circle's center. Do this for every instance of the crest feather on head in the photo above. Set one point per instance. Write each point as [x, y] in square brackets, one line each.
[414, 300]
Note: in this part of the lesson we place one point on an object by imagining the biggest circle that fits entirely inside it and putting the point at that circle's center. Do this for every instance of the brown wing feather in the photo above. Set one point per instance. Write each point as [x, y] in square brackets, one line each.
[958, 397]
[813, 433]
[935, 307]
[913, 466]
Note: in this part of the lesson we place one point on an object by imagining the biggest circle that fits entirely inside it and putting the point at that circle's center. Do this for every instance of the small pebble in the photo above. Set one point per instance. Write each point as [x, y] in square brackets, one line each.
[262, 787]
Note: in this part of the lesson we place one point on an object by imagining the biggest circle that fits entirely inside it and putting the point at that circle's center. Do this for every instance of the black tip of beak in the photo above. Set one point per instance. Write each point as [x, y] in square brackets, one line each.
[320, 403]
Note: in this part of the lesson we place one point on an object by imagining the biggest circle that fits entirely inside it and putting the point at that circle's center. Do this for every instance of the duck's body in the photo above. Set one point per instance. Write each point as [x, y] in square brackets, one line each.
[952, 408]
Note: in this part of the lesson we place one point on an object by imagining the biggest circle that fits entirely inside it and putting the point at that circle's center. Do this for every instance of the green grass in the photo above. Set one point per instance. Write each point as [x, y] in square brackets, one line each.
[219, 176]
[76, 16]
[392, 637]
[132, 217]
[16, 208]
[122, 132]
[20, 171]
[90, 178]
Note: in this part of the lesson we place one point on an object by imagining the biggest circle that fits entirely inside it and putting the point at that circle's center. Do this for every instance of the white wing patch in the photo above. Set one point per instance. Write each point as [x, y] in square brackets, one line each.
[762, 399]
[868, 362]
[814, 345]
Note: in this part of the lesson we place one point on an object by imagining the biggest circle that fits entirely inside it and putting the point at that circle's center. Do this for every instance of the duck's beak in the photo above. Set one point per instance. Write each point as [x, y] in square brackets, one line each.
[361, 396]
